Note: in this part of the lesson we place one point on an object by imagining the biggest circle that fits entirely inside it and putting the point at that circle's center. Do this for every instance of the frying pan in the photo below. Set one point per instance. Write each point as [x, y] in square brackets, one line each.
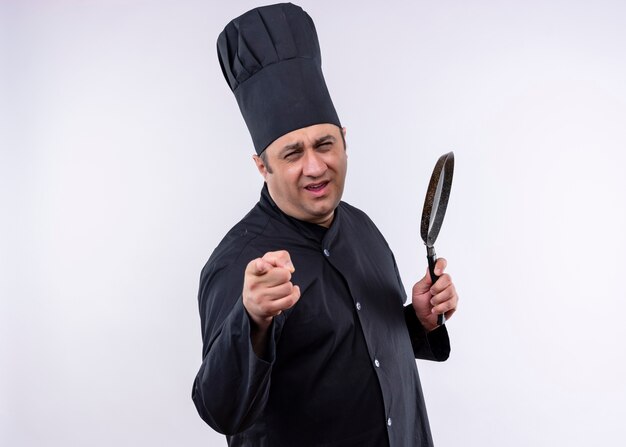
[434, 211]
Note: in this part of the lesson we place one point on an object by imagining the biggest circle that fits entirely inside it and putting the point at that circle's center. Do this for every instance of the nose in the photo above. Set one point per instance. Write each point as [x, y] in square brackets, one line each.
[313, 164]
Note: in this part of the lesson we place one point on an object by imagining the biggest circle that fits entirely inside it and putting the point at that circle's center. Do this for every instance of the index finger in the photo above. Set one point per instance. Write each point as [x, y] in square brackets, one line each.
[279, 258]
[440, 266]
[258, 267]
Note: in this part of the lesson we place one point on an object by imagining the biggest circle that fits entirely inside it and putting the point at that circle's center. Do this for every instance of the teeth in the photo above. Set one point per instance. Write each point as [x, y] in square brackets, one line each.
[317, 186]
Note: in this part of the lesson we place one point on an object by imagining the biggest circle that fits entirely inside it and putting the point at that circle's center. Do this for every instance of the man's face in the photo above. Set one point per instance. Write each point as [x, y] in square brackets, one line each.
[307, 171]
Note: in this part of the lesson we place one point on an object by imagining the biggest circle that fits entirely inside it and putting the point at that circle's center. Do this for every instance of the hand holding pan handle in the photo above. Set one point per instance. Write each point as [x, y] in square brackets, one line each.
[434, 211]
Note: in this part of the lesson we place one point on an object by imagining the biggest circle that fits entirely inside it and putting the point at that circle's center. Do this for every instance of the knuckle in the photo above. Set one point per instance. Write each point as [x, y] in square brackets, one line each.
[251, 267]
[283, 275]
[280, 291]
[270, 256]
[292, 300]
[252, 286]
[288, 288]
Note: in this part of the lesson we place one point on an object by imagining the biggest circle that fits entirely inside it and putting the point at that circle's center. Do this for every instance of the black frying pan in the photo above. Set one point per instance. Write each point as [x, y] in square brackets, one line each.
[434, 211]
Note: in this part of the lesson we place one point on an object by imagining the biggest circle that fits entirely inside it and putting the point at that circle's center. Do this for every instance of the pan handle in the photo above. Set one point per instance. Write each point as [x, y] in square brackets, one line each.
[432, 259]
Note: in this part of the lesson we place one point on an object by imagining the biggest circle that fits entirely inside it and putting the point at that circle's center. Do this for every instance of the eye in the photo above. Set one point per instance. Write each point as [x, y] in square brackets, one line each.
[291, 155]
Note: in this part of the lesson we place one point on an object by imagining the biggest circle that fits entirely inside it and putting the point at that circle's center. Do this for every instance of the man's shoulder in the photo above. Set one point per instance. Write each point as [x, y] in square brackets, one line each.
[361, 226]
[256, 233]
[356, 215]
[352, 210]
[238, 238]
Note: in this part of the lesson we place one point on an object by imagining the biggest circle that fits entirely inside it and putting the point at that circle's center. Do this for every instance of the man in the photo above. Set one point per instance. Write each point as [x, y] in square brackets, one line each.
[307, 341]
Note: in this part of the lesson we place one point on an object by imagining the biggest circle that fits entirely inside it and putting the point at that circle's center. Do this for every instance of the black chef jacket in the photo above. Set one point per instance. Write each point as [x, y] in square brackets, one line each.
[340, 367]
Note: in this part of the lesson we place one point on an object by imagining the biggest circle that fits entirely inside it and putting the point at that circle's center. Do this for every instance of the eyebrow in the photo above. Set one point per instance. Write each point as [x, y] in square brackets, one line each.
[323, 139]
[298, 145]
[293, 146]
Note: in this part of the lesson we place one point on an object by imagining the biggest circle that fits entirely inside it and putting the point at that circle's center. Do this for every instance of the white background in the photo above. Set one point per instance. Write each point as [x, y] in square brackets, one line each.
[124, 160]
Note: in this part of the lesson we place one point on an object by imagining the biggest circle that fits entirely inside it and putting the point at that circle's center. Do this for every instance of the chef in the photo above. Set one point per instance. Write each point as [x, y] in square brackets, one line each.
[307, 340]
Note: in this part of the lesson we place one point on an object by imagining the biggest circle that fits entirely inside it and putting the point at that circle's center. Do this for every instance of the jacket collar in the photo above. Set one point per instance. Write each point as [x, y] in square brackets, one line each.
[269, 206]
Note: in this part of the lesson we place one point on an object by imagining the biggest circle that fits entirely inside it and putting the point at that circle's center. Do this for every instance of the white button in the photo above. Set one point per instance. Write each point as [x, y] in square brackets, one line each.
[377, 363]
[358, 306]
[326, 252]
[389, 422]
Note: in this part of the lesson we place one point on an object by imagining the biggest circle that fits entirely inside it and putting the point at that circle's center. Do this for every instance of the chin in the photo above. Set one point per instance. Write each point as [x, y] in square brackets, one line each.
[322, 213]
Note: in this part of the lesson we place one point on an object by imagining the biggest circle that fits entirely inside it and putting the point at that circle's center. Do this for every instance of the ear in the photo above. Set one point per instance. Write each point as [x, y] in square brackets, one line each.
[344, 131]
[260, 165]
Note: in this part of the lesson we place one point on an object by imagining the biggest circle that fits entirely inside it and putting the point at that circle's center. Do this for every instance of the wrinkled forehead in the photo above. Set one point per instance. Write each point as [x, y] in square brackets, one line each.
[303, 137]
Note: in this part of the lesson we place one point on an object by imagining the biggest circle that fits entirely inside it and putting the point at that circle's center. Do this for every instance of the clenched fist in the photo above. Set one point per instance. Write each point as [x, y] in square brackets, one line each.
[267, 287]
[430, 300]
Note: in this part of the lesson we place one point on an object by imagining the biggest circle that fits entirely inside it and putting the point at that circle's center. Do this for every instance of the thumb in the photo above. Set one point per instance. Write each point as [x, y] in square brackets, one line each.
[424, 284]
[260, 267]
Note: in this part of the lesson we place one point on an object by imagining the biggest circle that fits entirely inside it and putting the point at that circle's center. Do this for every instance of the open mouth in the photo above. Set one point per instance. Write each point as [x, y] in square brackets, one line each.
[316, 187]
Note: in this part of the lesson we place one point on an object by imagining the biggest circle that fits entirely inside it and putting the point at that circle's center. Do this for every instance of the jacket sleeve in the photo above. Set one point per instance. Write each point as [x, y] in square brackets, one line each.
[433, 345]
[232, 385]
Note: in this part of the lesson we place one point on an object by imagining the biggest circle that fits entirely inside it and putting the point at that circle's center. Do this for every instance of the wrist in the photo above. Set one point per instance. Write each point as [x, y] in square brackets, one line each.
[428, 322]
[259, 324]
[259, 334]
